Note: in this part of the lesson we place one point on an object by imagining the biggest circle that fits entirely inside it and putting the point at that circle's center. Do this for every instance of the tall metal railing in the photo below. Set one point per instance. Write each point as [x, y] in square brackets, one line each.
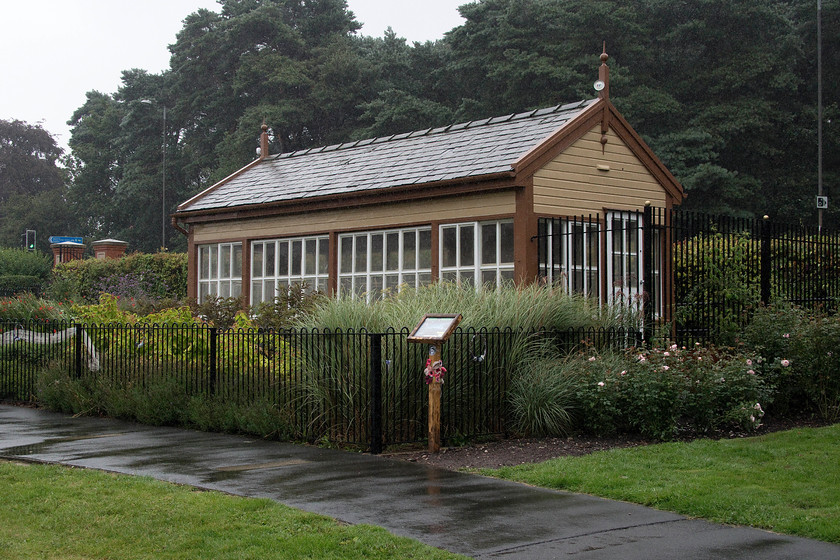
[348, 386]
[690, 277]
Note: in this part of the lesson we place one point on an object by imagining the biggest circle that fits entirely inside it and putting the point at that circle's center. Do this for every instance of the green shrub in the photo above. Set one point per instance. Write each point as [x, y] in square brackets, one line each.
[17, 262]
[801, 358]
[142, 277]
[661, 393]
[11, 285]
[27, 307]
[542, 397]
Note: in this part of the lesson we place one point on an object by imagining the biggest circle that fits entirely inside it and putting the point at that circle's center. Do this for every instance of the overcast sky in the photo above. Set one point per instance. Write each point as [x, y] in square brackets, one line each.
[54, 51]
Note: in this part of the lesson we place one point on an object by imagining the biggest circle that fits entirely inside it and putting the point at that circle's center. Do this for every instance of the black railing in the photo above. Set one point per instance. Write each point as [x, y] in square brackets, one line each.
[688, 276]
[348, 386]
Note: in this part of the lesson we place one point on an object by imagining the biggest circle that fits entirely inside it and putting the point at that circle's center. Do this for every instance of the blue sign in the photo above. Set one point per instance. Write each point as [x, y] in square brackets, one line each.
[60, 239]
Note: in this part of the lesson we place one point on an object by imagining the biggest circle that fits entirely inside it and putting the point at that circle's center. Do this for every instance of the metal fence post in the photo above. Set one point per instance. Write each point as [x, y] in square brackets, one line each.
[375, 393]
[765, 260]
[647, 270]
[213, 360]
[79, 332]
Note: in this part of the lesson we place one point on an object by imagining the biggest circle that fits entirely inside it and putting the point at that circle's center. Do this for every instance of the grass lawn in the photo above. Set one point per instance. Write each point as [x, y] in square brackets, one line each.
[56, 512]
[788, 482]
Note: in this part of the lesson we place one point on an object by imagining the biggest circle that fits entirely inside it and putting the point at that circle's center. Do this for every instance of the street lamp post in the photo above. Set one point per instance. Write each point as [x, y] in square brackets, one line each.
[163, 177]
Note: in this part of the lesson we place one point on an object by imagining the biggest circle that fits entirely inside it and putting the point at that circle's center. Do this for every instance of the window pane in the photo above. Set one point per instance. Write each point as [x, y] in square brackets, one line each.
[488, 244]
[617, 235]
[283, 258]
[467, 245]
[204, 262]
[450, 247]
[409, 280]
[376, 286]
[360, 263]
[236, 288]
[468, 278]
[425, 260]
[224, 259]
[268, 290]
[237, 261]
[346, 254]
[270, 250]
[256, 292]
[214, 262]
[450, 276]
[425, 278]
[203, 290]
[506, 242]
[632, 236]
[346, 286]
[297, 257]
[409, 250]
[257, 260]
[359, 285]
[392, 282]
[310, 256]
[224, 289]
[488, 278]
[323, 255]
[376, 252]
[392, 261]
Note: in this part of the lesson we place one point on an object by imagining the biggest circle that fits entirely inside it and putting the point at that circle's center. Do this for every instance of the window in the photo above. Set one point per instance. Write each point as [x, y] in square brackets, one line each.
[624, 239]
[572, 254]
[219, 270]
[279, 263]
[479, 253]
[371, 263]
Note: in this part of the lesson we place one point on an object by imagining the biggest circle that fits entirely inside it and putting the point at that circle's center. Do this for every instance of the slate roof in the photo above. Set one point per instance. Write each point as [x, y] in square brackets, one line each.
[472, 149]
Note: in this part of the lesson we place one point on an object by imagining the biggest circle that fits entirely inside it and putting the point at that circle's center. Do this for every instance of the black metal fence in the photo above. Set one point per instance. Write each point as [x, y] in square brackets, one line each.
[691, 277]
[348, 386]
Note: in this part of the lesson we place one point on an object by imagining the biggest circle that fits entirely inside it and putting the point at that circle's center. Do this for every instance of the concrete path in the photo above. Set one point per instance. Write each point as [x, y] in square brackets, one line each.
[468, 514]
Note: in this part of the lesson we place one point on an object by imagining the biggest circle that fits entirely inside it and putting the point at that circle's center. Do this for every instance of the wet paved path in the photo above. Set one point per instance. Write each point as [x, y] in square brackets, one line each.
[468, 514]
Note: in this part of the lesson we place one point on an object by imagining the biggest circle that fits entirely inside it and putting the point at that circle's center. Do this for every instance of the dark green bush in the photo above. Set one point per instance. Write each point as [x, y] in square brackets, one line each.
[662, 393]
[17, 262]
[139, 276]
[800, 358]
[17, 284]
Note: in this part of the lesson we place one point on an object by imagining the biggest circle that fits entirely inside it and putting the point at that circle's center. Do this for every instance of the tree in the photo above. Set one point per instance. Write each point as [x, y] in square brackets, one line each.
[28, 160]
[32, 188]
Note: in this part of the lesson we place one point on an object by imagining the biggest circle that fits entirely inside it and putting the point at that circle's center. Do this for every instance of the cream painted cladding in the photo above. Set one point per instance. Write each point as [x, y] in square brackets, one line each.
[380, 216]
[583, 180]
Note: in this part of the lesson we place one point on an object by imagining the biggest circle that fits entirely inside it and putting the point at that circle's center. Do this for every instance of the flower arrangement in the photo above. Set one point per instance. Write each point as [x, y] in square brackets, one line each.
[434, 371]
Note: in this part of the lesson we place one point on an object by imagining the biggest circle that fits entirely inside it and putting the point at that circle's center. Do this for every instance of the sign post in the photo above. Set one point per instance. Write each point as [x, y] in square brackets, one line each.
[434, 329]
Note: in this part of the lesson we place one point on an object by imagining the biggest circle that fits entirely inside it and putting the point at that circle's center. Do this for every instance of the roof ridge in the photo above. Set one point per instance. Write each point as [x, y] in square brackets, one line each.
[539, 112]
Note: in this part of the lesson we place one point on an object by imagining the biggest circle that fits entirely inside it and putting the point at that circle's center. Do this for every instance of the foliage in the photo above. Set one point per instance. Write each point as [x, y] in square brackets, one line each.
[146, 278]
[719, 268]
[661, 393]
[11, 285]
[218, 311]
[801, 358]
[19, 262]
[32, 185]
[542, 397]
[784, 482]
[529, 308]
[712, 86]
[27, 307]
[286, 309]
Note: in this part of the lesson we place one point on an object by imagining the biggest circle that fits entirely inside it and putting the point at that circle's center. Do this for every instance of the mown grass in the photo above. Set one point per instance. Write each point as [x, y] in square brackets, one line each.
[56, 512]
[788, 482]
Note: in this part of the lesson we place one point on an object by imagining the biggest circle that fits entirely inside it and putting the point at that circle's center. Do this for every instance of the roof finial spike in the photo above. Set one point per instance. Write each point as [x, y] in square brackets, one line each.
[604, 74]
[263, 152]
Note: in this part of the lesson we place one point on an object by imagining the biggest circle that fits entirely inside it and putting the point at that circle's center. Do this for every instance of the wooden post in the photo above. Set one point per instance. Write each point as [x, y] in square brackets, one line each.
[434, 403]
